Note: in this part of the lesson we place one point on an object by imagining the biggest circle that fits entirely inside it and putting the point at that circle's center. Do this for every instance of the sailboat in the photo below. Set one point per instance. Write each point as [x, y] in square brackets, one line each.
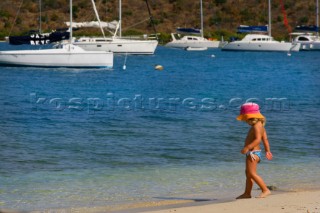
[191, 42]
[308, 40]
[64, 55]
[260, 42]
[117, 44]
[36, 37]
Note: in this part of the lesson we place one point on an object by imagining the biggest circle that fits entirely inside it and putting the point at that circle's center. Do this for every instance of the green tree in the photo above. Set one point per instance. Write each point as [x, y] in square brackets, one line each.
[304, 20]
[220, 1]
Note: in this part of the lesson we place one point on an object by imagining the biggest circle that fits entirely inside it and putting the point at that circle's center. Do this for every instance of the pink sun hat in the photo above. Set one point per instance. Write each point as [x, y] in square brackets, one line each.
[249, 110]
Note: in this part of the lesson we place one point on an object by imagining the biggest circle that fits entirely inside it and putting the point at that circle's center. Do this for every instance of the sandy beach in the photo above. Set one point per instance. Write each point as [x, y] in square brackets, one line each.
[308, 202]
[289, 202]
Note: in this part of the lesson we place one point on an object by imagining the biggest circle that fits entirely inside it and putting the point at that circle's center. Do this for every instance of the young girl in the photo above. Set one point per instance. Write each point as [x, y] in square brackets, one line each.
[250, 113]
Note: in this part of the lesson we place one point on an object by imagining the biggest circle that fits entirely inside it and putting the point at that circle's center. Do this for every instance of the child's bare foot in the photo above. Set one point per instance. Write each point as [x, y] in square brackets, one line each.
[264, 194]
[244, 196]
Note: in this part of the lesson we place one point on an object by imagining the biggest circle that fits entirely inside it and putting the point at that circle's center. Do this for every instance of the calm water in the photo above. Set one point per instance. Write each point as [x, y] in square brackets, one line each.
[76, 137]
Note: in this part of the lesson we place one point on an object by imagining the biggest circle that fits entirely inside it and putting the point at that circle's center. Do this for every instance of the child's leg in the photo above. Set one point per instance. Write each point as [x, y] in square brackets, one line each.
[251, 172]
[249, 185]
[247, 192]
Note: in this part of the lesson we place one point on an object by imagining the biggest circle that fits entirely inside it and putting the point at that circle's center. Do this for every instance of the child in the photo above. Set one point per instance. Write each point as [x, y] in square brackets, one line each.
[250, 113]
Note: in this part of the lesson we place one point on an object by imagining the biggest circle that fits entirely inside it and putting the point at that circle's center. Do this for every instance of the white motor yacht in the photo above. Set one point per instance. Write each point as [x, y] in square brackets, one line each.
[259, 42]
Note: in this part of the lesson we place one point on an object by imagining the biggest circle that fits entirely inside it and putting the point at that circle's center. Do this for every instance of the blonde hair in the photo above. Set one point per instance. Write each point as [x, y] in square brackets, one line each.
[255, 120]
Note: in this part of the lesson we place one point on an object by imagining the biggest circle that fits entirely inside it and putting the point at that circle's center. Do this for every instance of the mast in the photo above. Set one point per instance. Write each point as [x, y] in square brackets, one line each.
[98, 18]
[269, 12]
[70, 39]
[151, 20]
[201, 18]
[120, 18]
[40, 30]
[317, 18]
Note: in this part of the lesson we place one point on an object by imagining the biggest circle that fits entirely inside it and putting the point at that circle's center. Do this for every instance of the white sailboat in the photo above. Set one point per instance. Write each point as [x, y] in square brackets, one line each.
[117, 44]
[258, 42]
[309, 41]
[65, 55]
[193, 41]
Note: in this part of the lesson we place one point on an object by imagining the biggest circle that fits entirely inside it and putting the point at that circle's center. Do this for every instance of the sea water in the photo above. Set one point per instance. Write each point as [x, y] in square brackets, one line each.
[99, 137]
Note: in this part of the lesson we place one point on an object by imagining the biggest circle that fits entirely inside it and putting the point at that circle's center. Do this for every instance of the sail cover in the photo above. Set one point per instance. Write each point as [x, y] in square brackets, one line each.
[39, 39]
[95, 24]
[252, 29]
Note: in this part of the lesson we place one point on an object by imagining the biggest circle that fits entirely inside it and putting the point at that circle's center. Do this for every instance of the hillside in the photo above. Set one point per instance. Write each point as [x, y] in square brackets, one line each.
[221, 17]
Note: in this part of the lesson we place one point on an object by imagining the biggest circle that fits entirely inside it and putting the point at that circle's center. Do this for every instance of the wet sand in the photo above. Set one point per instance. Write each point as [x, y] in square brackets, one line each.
[288, 202]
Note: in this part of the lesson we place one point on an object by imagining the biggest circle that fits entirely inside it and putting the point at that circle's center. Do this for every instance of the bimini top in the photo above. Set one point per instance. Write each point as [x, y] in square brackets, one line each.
[252, 29]
[310, 28]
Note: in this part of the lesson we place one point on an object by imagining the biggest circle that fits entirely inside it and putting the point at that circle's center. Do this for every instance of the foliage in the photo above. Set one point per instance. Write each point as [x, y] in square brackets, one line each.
[220, 16]
[220, 1]
[304, 20]
[75, 11]
[164, 38]
[54, 17]
[132, 32]
[4, 13]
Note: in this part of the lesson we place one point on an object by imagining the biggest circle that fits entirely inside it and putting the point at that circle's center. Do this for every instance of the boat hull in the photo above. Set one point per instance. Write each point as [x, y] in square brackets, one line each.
[123, 46]
[310, 46]
[193, 44]
[271, 47]
[57, 58]
[208, 44]
[196, 48]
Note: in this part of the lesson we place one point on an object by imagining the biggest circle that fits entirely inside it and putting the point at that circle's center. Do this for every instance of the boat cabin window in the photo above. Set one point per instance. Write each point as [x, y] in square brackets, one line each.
[303, 39]
[260, 39]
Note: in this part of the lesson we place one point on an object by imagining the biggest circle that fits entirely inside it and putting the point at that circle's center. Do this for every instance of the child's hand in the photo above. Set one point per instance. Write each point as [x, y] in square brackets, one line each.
[244, 150]
[269, 155]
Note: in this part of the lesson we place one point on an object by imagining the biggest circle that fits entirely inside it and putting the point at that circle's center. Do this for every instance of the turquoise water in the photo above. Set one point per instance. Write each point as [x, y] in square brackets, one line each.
[77, 138]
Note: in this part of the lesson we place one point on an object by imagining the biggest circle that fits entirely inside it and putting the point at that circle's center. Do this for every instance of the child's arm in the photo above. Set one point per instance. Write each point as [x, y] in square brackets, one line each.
[266, 146]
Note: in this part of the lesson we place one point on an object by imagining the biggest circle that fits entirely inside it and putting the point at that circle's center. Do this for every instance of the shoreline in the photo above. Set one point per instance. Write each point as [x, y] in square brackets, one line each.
[289, 202]
[277, 202]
